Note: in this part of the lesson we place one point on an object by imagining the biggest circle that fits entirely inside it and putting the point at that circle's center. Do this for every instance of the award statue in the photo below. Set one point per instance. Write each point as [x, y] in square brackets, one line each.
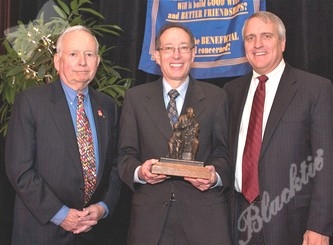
[183, 146]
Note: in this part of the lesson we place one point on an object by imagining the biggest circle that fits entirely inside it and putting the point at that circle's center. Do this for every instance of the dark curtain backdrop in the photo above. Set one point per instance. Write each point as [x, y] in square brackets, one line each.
[309, 38]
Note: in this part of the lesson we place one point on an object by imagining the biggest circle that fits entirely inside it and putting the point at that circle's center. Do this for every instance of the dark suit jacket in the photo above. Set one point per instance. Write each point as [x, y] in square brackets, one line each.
[43, 163]
[300, 123]
[144, 134]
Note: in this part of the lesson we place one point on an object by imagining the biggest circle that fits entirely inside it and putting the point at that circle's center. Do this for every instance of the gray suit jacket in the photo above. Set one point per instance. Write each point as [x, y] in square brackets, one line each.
[144, 134]
[43, 163]
[300, 123]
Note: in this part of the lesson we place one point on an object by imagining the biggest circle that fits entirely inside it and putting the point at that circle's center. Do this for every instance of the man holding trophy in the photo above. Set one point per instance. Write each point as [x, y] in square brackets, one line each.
[168, 207]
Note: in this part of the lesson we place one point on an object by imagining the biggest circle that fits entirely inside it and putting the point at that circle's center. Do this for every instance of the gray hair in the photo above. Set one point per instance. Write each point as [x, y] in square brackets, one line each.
[266, 16]
[72, 29]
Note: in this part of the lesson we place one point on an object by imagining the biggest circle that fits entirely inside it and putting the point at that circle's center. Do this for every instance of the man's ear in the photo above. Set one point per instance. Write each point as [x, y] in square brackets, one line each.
[157, 57]
[98, 60]
[56, 61]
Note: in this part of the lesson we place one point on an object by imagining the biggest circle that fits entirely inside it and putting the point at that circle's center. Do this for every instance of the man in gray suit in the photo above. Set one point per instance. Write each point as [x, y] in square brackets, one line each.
[293, 176]
[175, 210]
[42, 154]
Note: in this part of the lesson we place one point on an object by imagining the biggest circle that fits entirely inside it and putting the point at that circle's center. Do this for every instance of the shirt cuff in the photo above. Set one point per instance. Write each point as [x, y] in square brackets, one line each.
[106, 209]
[60, 215]
[218, 182]
[136, 177]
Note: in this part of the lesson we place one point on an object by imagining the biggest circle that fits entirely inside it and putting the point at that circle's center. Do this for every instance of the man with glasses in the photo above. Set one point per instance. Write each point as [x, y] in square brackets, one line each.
[174, 210]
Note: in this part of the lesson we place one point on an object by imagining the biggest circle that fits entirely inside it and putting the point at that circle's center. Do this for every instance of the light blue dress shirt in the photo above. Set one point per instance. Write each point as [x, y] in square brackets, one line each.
[72, 104]
[182, 93]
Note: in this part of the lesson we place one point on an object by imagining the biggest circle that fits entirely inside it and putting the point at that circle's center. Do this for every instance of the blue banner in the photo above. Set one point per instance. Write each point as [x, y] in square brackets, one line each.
[217, 29]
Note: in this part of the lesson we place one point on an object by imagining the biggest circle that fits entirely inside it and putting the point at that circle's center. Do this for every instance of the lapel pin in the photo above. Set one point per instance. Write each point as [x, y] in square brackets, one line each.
[100, 113]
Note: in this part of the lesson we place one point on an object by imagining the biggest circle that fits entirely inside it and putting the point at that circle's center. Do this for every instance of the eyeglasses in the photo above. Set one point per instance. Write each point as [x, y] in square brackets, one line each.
[171, 50]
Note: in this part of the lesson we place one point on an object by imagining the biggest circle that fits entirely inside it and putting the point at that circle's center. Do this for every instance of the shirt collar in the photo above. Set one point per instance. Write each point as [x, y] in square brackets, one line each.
[181, 89]
[71, 93]
[277, 72]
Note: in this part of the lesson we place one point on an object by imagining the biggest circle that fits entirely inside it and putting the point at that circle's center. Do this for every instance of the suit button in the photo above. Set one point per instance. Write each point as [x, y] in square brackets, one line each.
[165, 204]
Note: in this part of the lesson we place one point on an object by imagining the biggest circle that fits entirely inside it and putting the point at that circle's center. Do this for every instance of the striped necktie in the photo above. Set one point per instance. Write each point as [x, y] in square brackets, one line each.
[250, 179]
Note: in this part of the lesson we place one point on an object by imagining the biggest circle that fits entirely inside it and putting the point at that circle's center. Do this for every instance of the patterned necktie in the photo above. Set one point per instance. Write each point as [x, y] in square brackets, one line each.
[250, 180]
[172, 108]
[86, 148]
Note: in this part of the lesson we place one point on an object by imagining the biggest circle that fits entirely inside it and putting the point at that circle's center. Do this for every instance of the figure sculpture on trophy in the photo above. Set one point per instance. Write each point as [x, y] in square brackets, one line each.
[183, 146]
[184, 142]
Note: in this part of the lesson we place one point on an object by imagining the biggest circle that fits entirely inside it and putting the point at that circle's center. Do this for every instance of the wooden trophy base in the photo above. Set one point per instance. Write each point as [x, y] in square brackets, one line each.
[184, 168]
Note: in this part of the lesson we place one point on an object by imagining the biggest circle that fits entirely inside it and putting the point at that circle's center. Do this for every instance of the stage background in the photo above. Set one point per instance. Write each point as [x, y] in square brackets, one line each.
[309, 39]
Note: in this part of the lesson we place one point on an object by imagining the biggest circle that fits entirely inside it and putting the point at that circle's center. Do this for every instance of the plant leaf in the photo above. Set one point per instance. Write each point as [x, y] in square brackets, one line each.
[74, 5]
[60, 12]
[64, 7]
[16, 70]
[92, 11]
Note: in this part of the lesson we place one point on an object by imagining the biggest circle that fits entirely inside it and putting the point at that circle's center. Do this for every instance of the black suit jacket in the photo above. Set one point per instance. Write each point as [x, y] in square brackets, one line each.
[299, 124]
[144, 134]
[43, 162]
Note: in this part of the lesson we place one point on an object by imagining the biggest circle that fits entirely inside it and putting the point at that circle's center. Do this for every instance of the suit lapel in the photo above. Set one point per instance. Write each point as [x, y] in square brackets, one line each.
[284, 94]
[194, 94]
[240, 91]
[61, 115]
[102, 129]
[155, 107]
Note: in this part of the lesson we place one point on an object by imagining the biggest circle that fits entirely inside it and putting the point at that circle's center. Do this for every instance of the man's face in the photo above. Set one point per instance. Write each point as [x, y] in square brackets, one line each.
[175, 65]
[263, 47]
[78, 59]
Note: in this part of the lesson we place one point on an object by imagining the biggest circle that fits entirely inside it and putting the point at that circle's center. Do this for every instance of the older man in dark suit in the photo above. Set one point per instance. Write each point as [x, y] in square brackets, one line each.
[174, 210]
[60, 157]
[285, 197]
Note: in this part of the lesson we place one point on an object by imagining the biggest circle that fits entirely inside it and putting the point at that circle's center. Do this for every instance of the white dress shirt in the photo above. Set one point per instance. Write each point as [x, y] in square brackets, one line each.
[270, 89]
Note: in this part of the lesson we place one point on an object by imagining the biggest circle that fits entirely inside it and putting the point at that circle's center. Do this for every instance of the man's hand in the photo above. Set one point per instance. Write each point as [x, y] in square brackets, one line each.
[146, 175]
[82, 221]
[204, 184]
[73, 222]
[314, 238]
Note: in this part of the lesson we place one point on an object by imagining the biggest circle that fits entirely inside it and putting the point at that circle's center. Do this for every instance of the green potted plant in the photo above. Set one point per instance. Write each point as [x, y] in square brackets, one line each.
[28, 60]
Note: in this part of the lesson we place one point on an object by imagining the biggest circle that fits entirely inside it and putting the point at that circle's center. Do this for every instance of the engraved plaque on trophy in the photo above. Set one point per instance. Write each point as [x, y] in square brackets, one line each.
[183, 146]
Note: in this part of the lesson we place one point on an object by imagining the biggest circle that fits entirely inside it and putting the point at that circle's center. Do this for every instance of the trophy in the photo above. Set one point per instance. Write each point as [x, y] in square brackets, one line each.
[183, 146]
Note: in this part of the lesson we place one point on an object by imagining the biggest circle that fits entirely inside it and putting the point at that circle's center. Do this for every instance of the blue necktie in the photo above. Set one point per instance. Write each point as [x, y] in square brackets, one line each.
[172, 108]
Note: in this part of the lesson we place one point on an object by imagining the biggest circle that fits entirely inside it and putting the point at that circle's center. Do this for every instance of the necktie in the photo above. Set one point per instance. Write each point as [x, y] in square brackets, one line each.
[86, 149]
[172, 108]
[250, 181]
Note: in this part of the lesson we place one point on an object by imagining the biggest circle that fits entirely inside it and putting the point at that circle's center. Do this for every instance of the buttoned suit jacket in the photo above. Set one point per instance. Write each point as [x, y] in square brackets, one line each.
[144, 134]
[43, 162]
[299, 126]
